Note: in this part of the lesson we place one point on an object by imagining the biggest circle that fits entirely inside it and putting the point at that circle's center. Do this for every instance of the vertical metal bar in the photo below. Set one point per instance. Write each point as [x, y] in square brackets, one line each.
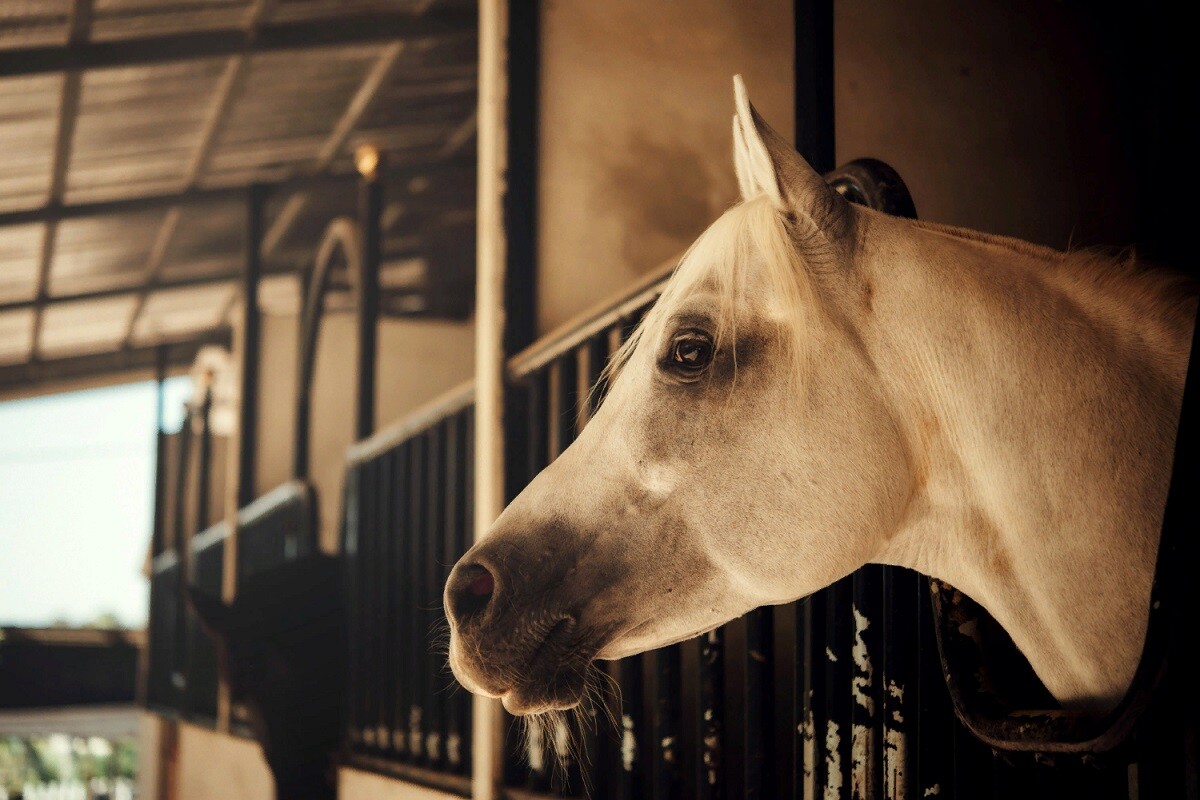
[414, 575]
[399, 533]
[382, 542]
[935, 718]
[432, 581]
[181, 542]
[204, 467]
[303, 415]
[367, 486]
[454, 519]
[251, 334]
[735, 738]
[466, 535]
[784, 742]
[160, 449]
[866, 657]
[355, 608]
[694, 778]
[814, 83]
[367, 298]
[899, 682]
[817, 712]
[839, 630]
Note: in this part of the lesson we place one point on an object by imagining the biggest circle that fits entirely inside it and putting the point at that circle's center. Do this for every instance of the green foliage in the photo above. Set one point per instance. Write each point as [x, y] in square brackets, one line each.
[36, 761]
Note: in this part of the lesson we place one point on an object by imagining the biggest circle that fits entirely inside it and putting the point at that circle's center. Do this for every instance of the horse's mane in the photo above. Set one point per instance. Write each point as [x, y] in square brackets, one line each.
[750, 234]
[1119, 284]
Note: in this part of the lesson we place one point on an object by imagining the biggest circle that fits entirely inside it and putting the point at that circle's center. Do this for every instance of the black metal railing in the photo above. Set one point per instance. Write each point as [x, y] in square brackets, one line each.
[407, 520]
[842, 691]
[164, 656]
[207, 568]
[277, 528]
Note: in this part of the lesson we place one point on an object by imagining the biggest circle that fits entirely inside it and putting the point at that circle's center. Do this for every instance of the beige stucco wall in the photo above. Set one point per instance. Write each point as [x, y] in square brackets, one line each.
[150, 766]
[355, 784]
[636, 102]
[215, 766]
[418, 360]
[995, 113]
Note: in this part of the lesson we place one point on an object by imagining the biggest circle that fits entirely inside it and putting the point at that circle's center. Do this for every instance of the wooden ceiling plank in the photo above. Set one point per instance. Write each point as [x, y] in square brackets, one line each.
[269, 37]
[79, 23]
[359, 104]
[48, 213]
[154, 261]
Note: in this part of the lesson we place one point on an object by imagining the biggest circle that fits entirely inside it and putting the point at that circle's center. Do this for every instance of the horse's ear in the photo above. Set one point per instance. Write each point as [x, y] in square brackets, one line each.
[212, 612]
[767, 164]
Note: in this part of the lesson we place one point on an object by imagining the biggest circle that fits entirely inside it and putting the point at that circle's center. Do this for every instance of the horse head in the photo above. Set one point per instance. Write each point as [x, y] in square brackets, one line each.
[741, 456]
[281, 650]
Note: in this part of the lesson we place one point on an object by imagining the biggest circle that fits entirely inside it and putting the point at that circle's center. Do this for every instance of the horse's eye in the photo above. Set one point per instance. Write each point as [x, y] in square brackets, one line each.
[691, 352]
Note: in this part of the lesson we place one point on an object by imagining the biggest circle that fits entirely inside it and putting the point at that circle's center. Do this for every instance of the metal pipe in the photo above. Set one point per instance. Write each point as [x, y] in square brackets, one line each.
[251, 334]
[370, 198]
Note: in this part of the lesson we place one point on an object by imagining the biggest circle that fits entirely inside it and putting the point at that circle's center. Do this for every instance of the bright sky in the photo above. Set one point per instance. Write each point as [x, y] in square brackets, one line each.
[76, 503]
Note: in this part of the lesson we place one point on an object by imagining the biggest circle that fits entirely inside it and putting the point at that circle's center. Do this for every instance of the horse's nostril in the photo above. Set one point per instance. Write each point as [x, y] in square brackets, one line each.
[483, 584]
[471, 588]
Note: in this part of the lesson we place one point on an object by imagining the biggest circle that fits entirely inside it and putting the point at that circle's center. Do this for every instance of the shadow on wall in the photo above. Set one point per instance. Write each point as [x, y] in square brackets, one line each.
[663, 194]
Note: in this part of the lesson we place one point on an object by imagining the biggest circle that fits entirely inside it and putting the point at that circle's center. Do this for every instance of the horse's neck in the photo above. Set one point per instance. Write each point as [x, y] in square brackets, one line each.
[1040, 419]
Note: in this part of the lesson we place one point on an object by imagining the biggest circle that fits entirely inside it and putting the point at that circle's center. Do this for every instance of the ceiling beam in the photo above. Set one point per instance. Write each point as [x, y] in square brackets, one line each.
[228, 87]
[154, 261]
[120, 291]
[271, 37]
[56, 212]
[79, 23]
[359, 104]
[179, 353]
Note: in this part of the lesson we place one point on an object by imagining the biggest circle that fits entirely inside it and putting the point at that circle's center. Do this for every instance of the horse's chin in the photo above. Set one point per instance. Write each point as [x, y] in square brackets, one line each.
[544, 684]
[556, 687]
[521, 704]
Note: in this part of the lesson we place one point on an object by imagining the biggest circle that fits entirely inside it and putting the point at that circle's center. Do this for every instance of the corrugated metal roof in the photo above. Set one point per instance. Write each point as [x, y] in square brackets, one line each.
[129, 128]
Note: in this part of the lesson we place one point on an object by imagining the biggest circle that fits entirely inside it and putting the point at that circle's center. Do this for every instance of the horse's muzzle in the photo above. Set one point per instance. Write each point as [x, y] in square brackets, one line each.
[507, 644]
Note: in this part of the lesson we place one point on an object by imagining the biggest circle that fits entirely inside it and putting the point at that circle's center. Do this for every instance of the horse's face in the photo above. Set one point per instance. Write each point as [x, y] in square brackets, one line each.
[740, 458]
[281, 647]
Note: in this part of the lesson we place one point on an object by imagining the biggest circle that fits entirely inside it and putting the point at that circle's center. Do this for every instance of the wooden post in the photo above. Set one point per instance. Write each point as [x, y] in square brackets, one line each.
[240, 476]
[487, 746]
[505, 286]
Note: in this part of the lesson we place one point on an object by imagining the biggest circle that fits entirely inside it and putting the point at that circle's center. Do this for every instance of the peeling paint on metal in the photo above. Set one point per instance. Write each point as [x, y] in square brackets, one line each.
[860, 684]
[830, 655]
[895, 751]
[833, 762]
[896, 693]
[808, 735]
[862, 762]
[934, 790]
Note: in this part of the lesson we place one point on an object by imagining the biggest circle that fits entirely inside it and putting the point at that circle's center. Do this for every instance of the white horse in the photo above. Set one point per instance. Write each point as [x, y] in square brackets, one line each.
[821, 386]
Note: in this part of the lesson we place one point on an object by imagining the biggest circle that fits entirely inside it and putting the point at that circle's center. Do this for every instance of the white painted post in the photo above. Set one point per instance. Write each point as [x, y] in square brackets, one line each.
[491, 251]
